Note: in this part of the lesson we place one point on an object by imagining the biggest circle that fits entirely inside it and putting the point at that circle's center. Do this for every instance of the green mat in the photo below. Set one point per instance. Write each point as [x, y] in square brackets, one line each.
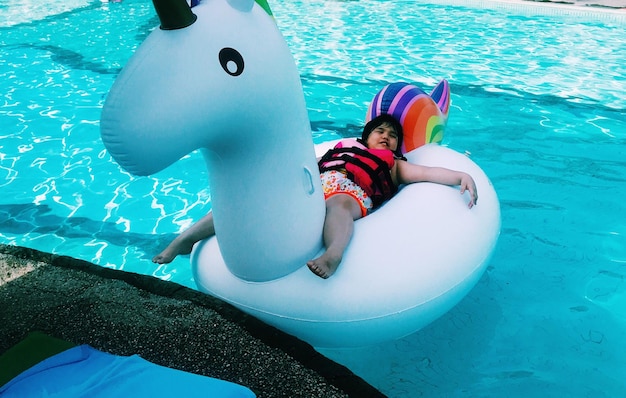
[33, 349]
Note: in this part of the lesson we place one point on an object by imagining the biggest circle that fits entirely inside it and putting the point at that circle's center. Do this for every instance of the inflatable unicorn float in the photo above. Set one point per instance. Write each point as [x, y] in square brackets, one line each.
[219, 77]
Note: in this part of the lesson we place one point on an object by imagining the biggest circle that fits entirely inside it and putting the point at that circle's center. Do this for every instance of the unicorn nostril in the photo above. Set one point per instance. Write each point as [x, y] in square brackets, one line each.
[307, 181]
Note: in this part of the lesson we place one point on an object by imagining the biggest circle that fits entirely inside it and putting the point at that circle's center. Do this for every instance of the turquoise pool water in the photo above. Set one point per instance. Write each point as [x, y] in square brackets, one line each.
[538, 98]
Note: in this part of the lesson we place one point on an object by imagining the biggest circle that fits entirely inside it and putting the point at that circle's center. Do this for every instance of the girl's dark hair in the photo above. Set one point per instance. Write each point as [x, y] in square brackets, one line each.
[379, 121]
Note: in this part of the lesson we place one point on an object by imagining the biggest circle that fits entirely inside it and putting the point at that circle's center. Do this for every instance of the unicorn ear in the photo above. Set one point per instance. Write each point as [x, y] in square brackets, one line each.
[241, 5]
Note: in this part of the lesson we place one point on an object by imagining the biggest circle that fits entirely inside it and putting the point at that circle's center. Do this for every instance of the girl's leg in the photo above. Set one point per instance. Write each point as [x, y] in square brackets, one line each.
[184, 242]
[341, 212]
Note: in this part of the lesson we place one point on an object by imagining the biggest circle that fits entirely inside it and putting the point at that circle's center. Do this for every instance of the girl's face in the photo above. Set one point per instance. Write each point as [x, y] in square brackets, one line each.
[383, 137]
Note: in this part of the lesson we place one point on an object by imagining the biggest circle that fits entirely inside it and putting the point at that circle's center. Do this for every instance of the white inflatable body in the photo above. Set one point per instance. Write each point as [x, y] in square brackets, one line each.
[408, 263]
[226, 83]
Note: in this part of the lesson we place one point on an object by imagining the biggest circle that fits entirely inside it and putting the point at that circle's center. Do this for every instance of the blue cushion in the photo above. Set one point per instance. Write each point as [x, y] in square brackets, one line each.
[83, 371]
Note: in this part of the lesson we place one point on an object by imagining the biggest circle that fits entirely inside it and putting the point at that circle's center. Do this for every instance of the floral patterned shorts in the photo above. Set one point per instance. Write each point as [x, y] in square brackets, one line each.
[334, 182]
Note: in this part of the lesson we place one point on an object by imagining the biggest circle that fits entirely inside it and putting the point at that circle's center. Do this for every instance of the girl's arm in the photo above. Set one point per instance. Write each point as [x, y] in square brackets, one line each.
[408, 173]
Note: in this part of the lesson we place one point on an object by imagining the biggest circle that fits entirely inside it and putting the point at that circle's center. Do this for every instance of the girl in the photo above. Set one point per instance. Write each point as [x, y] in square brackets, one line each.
[357, 177]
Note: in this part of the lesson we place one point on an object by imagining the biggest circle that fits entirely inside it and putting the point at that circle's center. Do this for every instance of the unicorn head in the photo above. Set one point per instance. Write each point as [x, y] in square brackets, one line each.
[220, 77]
[220, 64]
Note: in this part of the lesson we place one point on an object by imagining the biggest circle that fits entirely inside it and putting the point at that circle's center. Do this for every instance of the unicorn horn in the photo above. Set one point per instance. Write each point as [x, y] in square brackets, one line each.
[174, 14]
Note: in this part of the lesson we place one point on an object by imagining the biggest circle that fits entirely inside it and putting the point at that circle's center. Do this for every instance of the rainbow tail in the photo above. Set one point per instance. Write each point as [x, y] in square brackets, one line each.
[441, 96]
[423, 117]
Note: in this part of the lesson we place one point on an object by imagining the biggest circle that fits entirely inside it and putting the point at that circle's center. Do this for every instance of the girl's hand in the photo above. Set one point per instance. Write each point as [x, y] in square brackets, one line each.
[468, 184]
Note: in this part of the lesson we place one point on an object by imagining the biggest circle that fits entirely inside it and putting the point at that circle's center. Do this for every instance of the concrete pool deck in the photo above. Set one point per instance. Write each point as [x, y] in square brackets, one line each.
[124, 314]
[614, 4]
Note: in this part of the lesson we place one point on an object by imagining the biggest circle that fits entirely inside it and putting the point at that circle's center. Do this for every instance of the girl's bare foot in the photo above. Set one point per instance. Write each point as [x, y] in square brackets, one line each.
[176, 247]
[325, 265]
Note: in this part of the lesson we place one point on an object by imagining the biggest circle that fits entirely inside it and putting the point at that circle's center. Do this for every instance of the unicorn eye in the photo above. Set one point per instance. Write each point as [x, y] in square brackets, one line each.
[231, 61]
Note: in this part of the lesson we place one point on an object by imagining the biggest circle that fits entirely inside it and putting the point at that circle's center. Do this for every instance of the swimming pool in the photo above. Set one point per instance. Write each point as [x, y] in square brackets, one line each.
[538, 98]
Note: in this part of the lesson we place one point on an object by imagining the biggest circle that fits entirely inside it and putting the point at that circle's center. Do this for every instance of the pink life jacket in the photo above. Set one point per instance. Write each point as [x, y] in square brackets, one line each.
[368, 168]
